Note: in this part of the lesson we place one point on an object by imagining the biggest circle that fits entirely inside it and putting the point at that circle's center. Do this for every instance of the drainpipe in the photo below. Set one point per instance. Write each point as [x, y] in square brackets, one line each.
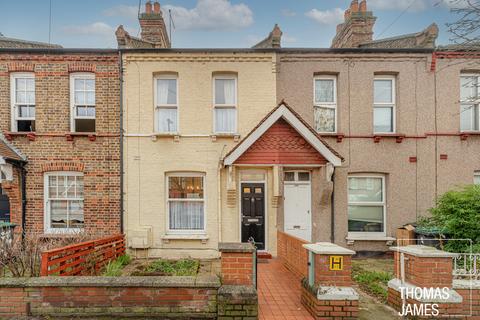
[23, 171]
[120, 63]
[332, 211]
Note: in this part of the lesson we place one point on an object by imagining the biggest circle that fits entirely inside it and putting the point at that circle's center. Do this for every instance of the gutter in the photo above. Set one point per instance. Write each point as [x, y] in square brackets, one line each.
[120, 65]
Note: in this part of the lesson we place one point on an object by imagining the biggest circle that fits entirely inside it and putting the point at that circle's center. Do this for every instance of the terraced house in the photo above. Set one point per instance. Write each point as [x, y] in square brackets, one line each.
[343, 144]
[60, 138]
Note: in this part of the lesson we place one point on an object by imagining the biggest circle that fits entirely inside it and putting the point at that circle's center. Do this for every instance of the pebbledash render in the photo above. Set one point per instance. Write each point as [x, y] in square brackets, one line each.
[60, 139]
[344, 144]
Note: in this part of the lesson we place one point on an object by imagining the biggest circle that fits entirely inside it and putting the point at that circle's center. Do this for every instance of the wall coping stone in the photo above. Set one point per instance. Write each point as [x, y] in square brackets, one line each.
[146, 281]
[424, 251]
[466, 284]
[235, 247]
[327, 248]
[454, 296]
[237, 293]
[337, 293]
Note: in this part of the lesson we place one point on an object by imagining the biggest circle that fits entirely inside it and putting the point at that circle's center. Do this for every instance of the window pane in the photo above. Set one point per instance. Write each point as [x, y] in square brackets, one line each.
[80, 97]
[469, 117]
[186, 215]
[81, 111]
[476, 178]
[289, 176]
[90, 84]
[324, 90]
[24, 112]
[225, 120]
[225, 91]
[167, 119]
[382, 91]
[58, 213]
[365, 190]
[79, 84]
[303, 176]
[468, 88]
[383, 119]
[30, 84]
[90, 98]
[70, 187]
[91, 111]
[166, 91]
[365, 218]
[76, 218]
[20, 84]
[30, 97]
[21, 97]
[185, 187]
[324, 119]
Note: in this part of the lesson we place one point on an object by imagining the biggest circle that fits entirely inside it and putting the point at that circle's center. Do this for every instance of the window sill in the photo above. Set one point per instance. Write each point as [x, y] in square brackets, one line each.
[465, 134]
[379, 136]
[92, 136]
[200, 236]
[174, 135]
[351, 238]
[338, 135]
[216, 136]
[9, 135]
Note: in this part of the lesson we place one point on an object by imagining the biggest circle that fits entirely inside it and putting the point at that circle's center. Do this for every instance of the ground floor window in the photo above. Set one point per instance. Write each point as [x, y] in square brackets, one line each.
[476, 177]
[186, 202]
[4, 205]
[64, 201]
[366, 204]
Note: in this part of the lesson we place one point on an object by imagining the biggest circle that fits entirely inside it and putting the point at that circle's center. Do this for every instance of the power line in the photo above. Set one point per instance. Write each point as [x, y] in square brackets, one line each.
[396, 19]
[50, 24]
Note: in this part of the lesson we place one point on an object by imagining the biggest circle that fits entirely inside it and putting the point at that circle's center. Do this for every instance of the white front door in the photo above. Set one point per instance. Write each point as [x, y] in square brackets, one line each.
[297, 193]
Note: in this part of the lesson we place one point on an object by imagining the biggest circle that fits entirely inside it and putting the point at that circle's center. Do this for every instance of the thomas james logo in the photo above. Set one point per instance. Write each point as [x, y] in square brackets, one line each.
[422, 309]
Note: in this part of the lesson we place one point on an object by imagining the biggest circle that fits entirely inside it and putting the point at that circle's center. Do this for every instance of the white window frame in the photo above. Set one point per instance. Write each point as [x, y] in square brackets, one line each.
[475, 103]
[13, 98]
[392, 105]
[46, 199]
[73, 114]
[476, 175]
[366, 235]
[204, 200]
[225, 106]
[327, 105]
[165, 106]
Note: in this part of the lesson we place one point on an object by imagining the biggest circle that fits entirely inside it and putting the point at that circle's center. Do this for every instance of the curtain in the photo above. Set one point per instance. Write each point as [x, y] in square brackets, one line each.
[167, 119]
[225, 120]
[225, 91]
[324, 91]
[186, 215]
[166, 91]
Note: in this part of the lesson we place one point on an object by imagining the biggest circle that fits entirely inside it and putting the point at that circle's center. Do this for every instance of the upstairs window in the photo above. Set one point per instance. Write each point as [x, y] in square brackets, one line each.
[384, 104]
[366, 204]
[325, 103]
[166, 105]
[82, 97]
[225, 104]
[469, 102]
[23, 102]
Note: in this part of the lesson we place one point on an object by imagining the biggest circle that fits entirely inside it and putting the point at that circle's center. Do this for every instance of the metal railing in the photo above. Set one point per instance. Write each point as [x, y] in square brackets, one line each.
[466, 266]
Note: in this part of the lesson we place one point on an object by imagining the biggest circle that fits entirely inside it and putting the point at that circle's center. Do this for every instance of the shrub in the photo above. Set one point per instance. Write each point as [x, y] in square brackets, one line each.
[457, 214]
[114, 268]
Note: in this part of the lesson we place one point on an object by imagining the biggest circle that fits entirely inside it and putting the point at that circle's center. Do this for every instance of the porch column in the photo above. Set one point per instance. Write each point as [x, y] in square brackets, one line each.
[327, 293]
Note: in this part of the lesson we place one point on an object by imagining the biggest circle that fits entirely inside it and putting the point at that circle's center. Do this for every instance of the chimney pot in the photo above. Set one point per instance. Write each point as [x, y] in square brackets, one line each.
[148, 7]
[363, 6]
[354, 6]
[156, 7]
[347, 14]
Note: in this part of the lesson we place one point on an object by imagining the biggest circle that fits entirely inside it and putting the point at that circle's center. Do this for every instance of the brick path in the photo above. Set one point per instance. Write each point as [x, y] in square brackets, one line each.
[279, 293]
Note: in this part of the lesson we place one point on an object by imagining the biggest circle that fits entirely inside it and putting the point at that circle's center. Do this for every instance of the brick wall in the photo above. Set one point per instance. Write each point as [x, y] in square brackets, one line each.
[98, 155]
[293, 255]
[326, 277]
[13, 189]
[237, 268]
[329, 309]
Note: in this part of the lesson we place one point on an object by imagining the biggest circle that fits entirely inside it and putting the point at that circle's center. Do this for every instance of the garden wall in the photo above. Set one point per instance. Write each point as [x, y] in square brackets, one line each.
[292, 253]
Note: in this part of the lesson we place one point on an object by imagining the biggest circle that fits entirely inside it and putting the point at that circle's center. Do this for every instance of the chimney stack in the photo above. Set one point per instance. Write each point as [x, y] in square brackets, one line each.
[153, 26]
[357, 27]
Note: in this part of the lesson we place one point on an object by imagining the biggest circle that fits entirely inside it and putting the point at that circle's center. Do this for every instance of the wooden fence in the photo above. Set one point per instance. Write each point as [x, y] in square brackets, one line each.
[292, 253]
[84, 258]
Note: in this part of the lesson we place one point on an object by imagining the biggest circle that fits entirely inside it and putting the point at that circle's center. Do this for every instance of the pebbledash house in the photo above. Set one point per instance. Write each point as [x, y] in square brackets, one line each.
[343, 144]
[59, 138]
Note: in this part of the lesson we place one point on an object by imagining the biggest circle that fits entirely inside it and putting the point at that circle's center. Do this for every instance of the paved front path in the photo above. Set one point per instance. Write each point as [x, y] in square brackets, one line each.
[279, 293]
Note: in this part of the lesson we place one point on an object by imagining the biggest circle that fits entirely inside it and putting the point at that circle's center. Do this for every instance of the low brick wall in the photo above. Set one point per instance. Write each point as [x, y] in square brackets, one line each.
[161, 297]
[237, 262]
[328, 309]
[292, 253]
[237, 302]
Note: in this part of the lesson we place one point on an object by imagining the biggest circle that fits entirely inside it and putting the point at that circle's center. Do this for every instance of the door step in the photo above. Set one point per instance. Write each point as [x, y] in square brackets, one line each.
[264, 255]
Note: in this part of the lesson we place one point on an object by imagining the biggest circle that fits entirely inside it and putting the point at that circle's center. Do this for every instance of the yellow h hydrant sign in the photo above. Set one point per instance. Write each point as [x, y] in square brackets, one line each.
[336, 262]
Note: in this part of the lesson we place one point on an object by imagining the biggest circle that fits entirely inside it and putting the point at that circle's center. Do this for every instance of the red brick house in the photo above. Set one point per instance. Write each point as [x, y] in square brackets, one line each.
[60, 126]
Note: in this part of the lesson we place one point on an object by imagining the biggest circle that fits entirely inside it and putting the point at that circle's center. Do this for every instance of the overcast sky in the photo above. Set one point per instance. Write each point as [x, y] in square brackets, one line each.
[214, 23]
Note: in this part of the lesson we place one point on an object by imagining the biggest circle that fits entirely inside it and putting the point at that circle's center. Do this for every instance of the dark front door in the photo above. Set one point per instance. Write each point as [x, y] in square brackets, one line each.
[253, 213]
[4, 206]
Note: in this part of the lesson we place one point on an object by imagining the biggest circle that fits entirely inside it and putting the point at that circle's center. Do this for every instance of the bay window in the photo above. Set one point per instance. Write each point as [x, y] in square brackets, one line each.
[384, 104]
[225, 104]
[82, 97]
[186, 202]
[325, 103]
[366, 204]
[23, 102]
[63, 197]
[469, 102]
[166, 105]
